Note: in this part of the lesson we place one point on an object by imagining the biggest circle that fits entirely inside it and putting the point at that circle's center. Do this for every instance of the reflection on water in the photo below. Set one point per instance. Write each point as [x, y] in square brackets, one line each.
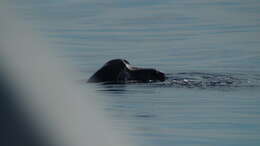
[211, 49]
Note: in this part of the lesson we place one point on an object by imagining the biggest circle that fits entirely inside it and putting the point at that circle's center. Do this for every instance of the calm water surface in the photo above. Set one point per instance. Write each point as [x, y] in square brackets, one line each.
[179, 37]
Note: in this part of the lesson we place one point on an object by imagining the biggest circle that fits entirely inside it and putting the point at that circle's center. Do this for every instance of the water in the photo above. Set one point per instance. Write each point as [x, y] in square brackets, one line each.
[213, 46]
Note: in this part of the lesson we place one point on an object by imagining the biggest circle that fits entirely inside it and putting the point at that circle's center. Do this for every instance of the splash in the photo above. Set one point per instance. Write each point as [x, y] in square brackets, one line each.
[211, 80]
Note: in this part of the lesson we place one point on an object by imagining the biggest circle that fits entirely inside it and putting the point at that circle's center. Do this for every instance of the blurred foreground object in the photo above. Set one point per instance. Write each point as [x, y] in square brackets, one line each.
[41, 104]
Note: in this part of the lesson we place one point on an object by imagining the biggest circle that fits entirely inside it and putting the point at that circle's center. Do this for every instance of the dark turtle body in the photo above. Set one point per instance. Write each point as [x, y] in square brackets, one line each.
[120, 71]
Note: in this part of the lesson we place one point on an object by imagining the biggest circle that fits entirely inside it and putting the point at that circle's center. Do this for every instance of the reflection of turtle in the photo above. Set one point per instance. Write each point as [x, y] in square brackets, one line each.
[120, 71]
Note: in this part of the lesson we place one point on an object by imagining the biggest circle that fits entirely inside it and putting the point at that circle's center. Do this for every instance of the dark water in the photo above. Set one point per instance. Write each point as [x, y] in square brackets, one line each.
[209, 50]
[188, 109]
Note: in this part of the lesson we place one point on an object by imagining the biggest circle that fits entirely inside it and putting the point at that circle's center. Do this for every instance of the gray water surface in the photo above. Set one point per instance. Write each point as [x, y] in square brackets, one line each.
[214, 44]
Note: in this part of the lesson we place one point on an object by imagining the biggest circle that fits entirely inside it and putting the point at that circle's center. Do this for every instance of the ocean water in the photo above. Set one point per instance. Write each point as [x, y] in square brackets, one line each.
[210, 51]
